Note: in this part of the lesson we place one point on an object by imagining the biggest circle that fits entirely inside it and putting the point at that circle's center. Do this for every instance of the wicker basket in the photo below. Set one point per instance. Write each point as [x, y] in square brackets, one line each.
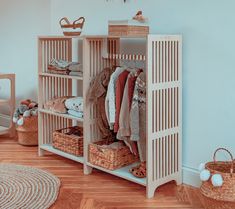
[128, 30]
[210, 203]
[224, 196]
[28, 132]
[75, 28]
[69, 140]
[110, 158]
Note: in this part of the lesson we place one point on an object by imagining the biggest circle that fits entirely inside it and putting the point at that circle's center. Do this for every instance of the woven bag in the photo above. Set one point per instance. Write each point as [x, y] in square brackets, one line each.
[28, 132]
[224, 196]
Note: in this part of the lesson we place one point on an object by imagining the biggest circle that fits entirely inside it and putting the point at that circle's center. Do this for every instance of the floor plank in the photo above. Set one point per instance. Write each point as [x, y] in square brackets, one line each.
[98, 190]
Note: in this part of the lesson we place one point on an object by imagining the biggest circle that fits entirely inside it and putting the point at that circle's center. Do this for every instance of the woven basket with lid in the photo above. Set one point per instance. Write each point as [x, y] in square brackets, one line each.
[220, 197]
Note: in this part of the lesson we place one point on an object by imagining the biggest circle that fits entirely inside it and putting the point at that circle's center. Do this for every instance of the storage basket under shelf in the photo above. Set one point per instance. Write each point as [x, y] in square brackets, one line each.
[109, 158]
[69, 140]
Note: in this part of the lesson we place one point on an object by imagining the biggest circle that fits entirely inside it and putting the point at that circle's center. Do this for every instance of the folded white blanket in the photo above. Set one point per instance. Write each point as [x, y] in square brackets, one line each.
[75, 103]
[75, 113]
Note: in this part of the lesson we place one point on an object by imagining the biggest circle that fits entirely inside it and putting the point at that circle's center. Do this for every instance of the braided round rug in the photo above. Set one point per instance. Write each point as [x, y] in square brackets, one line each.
[26, 187]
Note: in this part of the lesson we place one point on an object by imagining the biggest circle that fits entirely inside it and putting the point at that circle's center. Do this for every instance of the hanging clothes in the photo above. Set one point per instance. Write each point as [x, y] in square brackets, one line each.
[120, 85]
[97, 94]
[110, 99]
[124, 118]
[138, 115]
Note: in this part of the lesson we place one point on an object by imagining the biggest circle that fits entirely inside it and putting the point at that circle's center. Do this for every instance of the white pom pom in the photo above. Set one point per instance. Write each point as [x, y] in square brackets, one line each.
[217, 180]
[205, 175]
[201, 167]
[15, 120]
[20, 122]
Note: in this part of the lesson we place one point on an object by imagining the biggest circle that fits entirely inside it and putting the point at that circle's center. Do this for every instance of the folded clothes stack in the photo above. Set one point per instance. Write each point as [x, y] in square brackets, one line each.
[65, 68]
[69, 105]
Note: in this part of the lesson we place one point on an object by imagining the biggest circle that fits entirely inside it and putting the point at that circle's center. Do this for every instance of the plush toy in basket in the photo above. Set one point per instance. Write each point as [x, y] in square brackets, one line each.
[72, 29]
[26, 118]
[218, 187]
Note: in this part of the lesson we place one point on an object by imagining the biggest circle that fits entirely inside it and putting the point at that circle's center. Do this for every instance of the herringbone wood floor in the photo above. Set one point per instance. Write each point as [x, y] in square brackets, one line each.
[98, 190]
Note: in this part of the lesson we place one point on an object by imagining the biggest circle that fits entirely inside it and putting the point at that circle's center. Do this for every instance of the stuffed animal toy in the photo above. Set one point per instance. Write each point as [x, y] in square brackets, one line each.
[205, 175]
[26, 108]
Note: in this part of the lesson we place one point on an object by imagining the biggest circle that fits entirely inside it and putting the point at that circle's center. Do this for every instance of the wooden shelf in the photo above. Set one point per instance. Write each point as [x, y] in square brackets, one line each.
[61, 76]
[50, 148]
[123, 173]
[61, 115]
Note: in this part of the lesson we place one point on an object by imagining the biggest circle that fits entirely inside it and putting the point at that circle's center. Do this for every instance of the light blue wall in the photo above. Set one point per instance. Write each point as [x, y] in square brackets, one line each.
[208, 29]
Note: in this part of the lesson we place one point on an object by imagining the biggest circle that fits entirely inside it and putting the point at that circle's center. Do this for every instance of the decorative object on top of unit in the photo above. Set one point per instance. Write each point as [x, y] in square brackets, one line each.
[27, 187]
[72, 29]
[218, 187]
[138, 26]
[139, 17]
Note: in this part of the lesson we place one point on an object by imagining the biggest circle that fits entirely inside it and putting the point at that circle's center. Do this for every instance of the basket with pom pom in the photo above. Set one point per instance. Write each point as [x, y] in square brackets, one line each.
[28, 132]
[219, 189]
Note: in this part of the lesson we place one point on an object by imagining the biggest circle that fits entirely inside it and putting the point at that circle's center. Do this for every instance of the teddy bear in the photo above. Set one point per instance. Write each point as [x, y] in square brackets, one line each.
[26, 108]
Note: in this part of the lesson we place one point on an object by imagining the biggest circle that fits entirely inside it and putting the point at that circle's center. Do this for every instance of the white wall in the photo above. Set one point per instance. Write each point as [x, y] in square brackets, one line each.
[208, 62]
[21, 22]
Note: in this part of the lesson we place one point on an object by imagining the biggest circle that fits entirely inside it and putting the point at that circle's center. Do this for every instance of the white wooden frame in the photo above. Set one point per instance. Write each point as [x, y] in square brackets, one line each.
[164, 101]
[9, 102]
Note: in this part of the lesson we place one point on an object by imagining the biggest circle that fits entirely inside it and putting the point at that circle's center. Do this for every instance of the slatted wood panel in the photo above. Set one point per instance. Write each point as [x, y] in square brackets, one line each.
[52, 87]
[164, 109]
[51, 123]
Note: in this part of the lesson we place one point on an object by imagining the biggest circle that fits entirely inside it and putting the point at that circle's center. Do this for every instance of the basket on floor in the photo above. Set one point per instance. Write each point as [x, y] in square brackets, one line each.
[210, 203]
[220, 197]
[28, 132]
[69, 140]
[110, 158]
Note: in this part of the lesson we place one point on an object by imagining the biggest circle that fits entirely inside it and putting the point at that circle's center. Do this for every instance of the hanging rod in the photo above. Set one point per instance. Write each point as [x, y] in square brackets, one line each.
[135, 57]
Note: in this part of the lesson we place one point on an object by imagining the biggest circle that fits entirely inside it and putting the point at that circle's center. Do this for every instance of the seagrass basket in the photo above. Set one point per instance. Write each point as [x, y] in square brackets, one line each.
[110, 158]
[69, 140]
[28, 132]
[72, 29]
[220, 197]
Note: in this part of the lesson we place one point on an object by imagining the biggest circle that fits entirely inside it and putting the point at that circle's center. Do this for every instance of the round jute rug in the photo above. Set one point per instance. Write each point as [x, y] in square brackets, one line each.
[27, 187]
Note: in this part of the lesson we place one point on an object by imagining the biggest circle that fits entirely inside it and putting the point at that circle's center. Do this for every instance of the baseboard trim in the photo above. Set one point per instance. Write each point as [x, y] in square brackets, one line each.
[5, 120]
[191, 176]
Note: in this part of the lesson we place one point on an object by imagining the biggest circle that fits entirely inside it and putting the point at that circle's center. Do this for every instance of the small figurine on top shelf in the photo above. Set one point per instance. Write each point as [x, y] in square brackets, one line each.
[139, 17]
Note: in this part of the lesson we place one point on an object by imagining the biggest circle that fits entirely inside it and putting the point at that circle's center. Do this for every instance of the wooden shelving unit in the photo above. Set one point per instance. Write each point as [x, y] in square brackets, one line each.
[162, 58]
[55, 85]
